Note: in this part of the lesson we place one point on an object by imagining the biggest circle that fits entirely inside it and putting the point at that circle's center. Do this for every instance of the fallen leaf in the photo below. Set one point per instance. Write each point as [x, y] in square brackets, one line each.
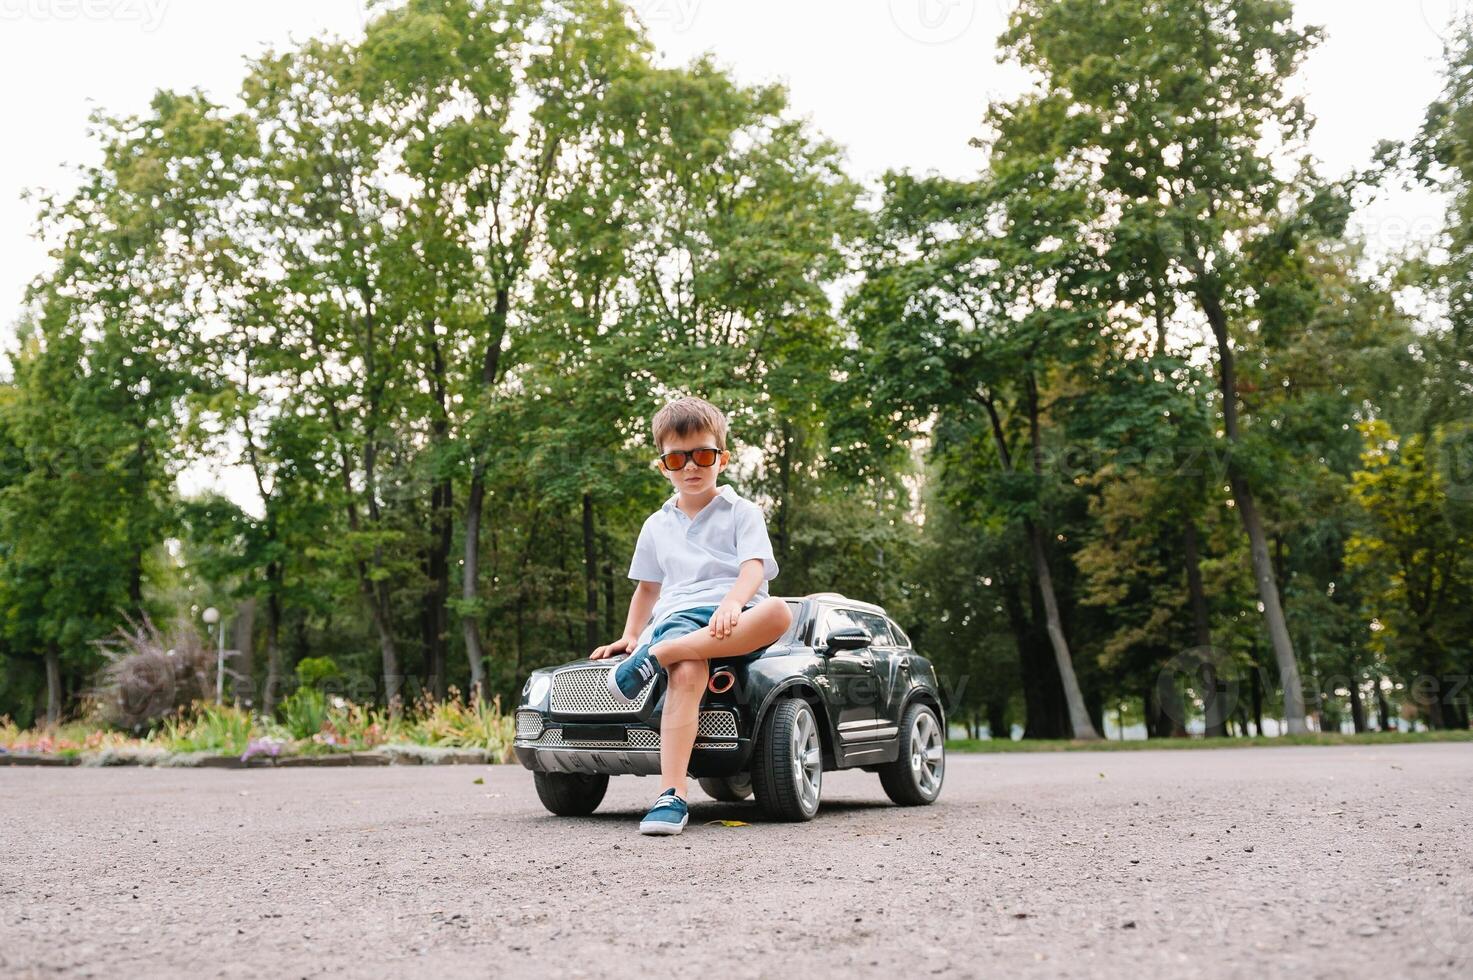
[726, 823]
[479, 781]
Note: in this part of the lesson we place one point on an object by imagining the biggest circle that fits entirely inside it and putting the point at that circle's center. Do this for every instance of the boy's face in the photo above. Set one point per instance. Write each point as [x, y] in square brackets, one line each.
[692, 479]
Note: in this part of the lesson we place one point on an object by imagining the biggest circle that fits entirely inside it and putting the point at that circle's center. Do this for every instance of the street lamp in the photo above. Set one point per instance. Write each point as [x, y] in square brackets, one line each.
[211, 617]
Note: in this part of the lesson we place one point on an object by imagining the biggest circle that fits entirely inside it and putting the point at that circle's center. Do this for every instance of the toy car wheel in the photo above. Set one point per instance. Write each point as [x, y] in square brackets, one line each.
[914, 778]
[570, 794]
[787, 772]
[728, 789]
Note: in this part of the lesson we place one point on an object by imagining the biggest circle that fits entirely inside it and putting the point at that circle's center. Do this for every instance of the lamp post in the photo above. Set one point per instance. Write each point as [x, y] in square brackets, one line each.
[212, 619]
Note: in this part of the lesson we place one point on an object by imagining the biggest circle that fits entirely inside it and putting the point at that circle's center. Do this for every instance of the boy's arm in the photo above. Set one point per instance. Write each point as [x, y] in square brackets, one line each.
[641, 604]
[749, 579]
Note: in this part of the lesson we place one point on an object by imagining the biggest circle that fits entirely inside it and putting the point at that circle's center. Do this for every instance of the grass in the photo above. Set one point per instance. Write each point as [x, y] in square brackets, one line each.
[984, 745]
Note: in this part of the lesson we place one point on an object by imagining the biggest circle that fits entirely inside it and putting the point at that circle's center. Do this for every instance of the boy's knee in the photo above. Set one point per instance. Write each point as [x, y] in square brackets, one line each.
[688, 674]
[777, 611]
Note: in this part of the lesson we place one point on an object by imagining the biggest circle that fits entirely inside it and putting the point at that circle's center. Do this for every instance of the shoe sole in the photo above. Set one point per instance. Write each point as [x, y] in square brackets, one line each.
[614, 691]
[661, 828]
[619, 695]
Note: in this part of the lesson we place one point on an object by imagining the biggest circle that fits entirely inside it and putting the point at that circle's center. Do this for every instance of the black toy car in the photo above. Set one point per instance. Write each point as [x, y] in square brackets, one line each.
[841, 689]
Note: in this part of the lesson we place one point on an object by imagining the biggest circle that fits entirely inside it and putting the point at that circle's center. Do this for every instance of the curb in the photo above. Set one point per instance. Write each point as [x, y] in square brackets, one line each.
[390, 758]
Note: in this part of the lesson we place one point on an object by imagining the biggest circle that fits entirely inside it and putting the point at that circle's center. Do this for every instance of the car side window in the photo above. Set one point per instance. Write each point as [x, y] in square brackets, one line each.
[833, 618]
[878, 627]
[900, 638]
[794, 627]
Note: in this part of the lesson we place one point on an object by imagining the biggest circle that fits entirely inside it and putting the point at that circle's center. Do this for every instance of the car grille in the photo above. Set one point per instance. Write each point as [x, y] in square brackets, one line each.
[717, 724]
[713, 724]
[584, 691]
[529, 724]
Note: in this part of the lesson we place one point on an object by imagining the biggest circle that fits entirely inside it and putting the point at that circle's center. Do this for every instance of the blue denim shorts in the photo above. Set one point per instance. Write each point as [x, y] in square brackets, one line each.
[685, 621]
[680, 623]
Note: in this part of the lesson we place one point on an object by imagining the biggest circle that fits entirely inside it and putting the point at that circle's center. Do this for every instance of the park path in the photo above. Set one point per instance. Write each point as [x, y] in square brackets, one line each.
[1320, 862]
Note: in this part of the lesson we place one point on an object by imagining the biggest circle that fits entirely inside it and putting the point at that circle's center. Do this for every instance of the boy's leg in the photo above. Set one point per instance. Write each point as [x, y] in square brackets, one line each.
[757, 627]
[679, 721]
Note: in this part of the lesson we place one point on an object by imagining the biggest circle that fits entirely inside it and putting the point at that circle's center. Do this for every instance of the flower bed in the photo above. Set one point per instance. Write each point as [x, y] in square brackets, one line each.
[327, 731]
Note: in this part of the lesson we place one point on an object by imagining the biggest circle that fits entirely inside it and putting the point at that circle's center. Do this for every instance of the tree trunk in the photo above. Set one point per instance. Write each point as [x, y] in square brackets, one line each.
[590, 577]
[470, 580]
[273, 641]
[1357, 707]
[1079, 719]
[1214, 699]
[610, 625]
[1257, 689]
[53, 687]
[470, 575]
[242, 639]
[1268, 589]
[997, 719]
[1043, 696]
[437, 604]
[1172, 721]
[784, 485]
[388, 651]
[1383, 708]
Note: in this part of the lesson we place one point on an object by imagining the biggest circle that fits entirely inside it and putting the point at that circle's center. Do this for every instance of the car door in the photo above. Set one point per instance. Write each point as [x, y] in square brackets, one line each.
[889, 662]
[849, 678]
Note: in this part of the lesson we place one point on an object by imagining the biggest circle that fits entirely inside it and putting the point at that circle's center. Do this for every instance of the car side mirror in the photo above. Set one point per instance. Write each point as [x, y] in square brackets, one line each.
[848, 638]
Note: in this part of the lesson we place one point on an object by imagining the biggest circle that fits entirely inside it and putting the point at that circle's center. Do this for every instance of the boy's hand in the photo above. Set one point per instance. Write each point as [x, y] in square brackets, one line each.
[623, 644]
[724, 620]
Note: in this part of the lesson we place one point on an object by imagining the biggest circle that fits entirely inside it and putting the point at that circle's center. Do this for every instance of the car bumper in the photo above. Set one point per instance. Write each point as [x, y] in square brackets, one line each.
[726, 757]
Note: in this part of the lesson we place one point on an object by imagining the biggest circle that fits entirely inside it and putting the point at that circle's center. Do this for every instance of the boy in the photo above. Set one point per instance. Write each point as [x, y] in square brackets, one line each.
[703, 561]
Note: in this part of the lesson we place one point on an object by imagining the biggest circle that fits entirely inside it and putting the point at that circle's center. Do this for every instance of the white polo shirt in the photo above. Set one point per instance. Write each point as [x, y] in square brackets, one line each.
[697, 560]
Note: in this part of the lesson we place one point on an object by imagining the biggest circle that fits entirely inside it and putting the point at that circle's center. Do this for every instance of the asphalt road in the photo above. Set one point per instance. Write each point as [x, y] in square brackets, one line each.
[1333, 862]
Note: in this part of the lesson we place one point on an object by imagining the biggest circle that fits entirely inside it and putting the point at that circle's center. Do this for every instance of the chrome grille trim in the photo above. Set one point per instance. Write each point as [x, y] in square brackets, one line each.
[584, 691]
[529, 724]
[639, 738]
[717, 724]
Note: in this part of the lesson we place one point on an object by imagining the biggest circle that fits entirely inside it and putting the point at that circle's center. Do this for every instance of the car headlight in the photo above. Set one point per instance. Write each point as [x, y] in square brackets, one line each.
[537, 686]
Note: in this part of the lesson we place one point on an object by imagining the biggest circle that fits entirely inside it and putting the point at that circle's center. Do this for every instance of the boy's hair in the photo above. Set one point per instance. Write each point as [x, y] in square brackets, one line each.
[687, 416]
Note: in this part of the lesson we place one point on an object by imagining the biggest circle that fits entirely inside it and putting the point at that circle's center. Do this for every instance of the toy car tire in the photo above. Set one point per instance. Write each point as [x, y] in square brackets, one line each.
[914, 778]
[787, 766]
[570, 794]
[728, 789]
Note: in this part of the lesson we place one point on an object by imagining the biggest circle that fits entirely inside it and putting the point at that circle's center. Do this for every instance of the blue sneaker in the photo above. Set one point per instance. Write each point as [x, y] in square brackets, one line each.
[667, 817]
[632, 674]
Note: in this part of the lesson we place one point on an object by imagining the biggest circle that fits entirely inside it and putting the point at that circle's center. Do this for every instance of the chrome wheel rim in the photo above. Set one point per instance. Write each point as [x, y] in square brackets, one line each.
[927, 754]
[807, 760]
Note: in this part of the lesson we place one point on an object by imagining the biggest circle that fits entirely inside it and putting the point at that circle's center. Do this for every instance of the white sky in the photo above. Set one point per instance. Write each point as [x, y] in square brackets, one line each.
[900, 83]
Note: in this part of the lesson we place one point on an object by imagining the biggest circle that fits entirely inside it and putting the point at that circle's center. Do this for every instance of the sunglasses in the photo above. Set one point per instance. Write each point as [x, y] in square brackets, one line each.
[701, 457]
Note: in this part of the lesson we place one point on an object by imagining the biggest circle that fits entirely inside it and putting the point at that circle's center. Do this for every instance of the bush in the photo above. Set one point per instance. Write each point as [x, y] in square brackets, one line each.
[453, 723]
[304, 712]
[152, 676]
[312, 671]
[208, 728]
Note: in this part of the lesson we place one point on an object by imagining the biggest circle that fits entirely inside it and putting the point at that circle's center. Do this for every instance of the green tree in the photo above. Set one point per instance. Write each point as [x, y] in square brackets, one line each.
[977, 301]
[1416, 543]
[1169, 107]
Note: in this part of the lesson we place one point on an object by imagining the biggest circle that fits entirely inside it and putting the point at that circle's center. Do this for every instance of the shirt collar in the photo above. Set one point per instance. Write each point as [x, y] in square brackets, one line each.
[723, 492]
